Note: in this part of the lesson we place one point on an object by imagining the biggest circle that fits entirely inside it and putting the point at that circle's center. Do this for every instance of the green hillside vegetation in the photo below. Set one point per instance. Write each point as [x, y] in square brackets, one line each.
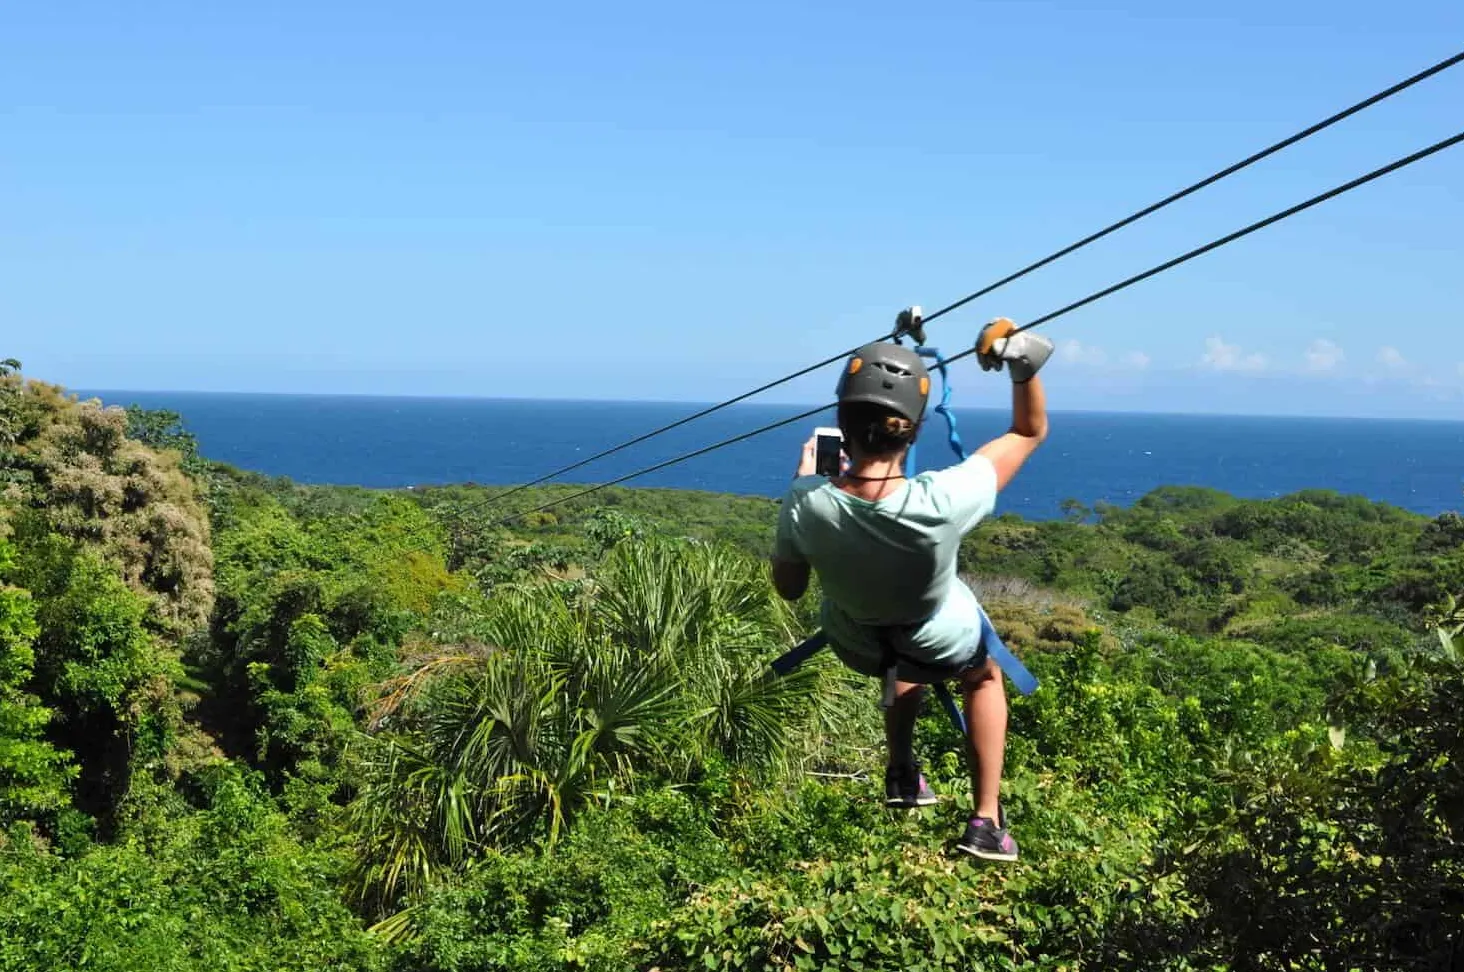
[250, 725]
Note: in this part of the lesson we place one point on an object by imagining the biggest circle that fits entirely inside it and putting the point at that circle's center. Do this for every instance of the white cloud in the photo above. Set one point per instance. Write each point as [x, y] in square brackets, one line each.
[1323, 355]
[1392, 358]
[1091, 356]
[1220, 356]
[1079, 353]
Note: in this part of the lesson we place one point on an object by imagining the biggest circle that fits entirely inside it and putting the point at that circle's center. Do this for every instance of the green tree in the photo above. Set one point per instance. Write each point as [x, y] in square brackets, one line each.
[1075, 511]
[163, 430]
[1152, 583]
[74, 469]
[108, 679]
[311, 609]
[33, 775]
[607, 527]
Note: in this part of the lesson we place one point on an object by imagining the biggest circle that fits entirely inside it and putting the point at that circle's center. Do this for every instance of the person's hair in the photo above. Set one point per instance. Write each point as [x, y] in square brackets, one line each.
[874, 432]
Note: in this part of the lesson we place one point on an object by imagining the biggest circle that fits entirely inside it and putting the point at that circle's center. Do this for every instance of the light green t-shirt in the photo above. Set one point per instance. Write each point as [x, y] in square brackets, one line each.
[892, 561]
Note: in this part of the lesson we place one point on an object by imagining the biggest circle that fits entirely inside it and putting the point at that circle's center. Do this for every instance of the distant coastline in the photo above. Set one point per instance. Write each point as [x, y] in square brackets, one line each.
[1113, 457]
[120, 396]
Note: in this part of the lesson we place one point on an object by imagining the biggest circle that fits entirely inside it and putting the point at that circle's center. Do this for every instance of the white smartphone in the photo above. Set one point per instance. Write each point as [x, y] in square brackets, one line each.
[829, 449]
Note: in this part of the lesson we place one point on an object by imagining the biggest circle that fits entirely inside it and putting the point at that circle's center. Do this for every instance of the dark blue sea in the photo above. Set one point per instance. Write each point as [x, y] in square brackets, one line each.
[394, 442]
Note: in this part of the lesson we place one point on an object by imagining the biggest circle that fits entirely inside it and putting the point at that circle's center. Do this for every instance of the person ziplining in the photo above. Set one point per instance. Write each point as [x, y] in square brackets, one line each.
[884, 545]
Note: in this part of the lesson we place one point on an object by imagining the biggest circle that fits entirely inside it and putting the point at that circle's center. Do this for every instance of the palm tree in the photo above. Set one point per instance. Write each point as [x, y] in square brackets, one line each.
[658, 668]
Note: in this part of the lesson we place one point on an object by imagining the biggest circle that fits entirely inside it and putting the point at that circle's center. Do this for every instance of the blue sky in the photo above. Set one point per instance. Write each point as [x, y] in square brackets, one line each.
[681, 201]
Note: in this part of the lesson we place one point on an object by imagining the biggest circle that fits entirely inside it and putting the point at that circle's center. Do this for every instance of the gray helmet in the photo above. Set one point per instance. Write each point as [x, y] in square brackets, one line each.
[887, 374]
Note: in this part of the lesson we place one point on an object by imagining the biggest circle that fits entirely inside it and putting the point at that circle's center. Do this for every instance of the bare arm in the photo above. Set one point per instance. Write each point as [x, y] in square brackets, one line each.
[1002, 344]
[1029, 427]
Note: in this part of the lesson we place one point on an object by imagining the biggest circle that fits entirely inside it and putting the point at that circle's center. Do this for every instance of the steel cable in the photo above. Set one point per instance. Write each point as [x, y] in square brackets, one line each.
[1045, 318]
[1017, 275]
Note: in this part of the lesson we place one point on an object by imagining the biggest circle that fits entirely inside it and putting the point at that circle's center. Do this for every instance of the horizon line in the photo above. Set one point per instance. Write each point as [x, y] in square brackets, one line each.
[99, 392]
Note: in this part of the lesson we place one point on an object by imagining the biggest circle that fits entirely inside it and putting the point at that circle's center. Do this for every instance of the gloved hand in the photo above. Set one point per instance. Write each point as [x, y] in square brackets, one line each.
[1022, 351]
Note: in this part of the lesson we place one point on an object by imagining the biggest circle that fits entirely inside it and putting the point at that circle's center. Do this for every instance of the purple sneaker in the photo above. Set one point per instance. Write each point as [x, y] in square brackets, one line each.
[988, 839]
[905, 787]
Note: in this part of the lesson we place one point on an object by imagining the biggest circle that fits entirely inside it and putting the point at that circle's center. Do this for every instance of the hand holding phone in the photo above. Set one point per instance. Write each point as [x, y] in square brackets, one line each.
[828, 451]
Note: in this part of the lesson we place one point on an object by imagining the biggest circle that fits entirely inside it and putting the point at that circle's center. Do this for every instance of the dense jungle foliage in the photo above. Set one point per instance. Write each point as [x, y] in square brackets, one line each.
[248, 725]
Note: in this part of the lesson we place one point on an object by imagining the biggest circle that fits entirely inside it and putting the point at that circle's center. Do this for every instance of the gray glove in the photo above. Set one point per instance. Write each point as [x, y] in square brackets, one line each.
[1022, 351]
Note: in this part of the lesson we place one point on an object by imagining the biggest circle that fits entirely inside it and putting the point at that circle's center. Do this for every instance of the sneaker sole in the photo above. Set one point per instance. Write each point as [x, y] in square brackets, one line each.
[986, 855]
[911, 804]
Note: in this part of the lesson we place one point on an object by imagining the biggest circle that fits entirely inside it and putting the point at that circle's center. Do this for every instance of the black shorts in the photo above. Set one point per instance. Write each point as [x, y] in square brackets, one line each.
[909, 667]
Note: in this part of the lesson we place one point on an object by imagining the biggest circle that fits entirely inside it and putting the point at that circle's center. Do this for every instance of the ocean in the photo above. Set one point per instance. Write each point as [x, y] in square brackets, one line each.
[1090, 457]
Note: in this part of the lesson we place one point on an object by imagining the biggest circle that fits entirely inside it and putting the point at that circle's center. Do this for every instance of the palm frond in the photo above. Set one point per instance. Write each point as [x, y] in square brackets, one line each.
[409, 820]
[658, 665]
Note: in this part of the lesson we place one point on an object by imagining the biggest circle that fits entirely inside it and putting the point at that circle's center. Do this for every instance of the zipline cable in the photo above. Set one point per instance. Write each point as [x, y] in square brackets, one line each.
[670, 462]
[1012, 277]
[1097, 295]
[1378, 173]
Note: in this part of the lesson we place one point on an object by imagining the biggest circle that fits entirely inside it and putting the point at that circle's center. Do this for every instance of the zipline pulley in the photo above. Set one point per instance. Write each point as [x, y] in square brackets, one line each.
[910, 323]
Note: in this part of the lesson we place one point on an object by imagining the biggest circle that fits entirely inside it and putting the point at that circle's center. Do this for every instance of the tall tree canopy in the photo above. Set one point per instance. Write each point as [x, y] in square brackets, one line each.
[67, 466]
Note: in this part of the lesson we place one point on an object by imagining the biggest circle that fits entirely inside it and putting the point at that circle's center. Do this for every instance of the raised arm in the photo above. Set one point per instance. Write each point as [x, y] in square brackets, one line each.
[1023, 353]
[1009, 451]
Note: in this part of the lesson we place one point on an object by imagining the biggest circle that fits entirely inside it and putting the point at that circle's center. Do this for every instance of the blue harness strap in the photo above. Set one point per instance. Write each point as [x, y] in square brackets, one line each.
[948, 702]
[953, 434]
[996, 649]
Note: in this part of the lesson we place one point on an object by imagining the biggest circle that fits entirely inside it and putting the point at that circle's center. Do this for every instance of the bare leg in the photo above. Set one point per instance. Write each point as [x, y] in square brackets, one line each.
[900, 723]
[986, 725]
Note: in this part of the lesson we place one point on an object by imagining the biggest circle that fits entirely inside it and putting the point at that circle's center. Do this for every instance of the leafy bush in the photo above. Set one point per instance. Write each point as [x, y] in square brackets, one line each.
[587, 904]
[223, 890]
